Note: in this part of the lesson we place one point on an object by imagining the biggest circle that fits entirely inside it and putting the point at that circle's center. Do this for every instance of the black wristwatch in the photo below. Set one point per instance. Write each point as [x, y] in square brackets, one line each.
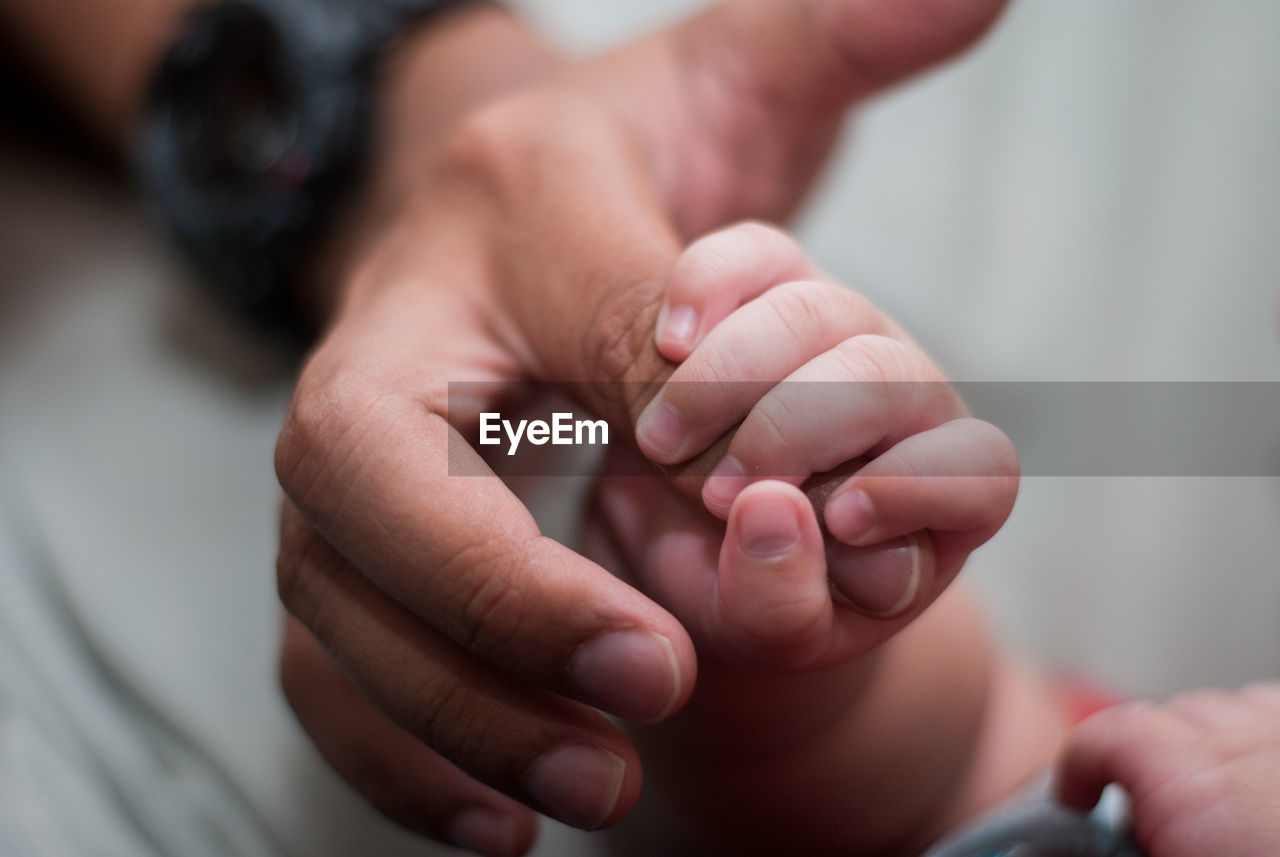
[256, 126]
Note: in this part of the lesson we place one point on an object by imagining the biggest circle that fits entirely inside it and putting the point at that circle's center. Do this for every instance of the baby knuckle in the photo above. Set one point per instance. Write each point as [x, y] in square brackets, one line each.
[1198, 700]
[1265, 693]
[1139, 718]
[858, 306]
[760, 231]
[852, 311]
[1116, 720]
[780, 638]
[802, 309]
[1001, 457]
[767, 239]
[773, 425]
[875, 360]
[705, 267]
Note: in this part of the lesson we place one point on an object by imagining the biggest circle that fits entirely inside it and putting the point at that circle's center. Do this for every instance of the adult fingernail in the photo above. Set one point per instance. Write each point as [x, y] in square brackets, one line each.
[633, 674]
[767, 527]
[578, 785]
[485, 832]
[885, 583]
[681, 327]
[724, 483]
[850, 516]
[660, 431]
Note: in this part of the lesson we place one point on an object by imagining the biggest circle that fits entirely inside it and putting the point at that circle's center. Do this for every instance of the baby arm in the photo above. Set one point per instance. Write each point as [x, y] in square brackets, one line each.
[832, 713]
[1203, 771]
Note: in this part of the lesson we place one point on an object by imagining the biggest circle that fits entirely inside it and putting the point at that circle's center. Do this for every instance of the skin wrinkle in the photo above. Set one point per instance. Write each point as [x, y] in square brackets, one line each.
[558, 288]
[493, 597]
[351, 482]
[308, 420]
[622, 346]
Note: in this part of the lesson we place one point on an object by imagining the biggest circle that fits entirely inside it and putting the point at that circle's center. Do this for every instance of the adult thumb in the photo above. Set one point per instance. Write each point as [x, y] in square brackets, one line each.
[766, 84]
[823, 54]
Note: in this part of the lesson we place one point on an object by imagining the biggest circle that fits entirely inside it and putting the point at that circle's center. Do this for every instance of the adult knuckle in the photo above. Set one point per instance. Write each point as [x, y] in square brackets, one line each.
[299, 568]
[442, 712]
[305, 567]
[302, 424]
[292, 568]
[621, 330]
[383, 783]
[290, 578]
[489, 147]
[336, 411]
[319, 404]
[484, 610]
[495, 616]
[506, 147]
[295, 665]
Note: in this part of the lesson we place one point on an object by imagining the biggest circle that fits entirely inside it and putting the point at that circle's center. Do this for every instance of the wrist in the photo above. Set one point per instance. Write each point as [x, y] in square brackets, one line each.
[436, 75]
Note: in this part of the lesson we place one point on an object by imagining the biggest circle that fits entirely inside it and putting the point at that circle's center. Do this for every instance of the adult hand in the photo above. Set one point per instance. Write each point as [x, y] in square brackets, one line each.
[522, 222]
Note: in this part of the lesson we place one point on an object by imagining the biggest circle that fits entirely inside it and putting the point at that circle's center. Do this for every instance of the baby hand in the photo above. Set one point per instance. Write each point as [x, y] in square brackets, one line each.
[1203, 771]
[816, 379]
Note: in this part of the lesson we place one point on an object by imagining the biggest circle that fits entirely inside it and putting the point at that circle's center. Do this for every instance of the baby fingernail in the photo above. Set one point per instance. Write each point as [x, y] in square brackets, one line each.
[485, 832]
[725, 483]
[578, 785]
[632, 673]
[885, 582]
[767, 528]
[660, 431]
[850, 516]
[681, 327]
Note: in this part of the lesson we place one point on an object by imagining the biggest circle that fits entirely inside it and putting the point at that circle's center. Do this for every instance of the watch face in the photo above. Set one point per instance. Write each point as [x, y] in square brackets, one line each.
[234, 110]
[256, 129]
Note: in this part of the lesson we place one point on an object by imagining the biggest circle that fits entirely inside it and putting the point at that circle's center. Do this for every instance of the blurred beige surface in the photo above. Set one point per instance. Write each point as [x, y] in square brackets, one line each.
[1093, 196]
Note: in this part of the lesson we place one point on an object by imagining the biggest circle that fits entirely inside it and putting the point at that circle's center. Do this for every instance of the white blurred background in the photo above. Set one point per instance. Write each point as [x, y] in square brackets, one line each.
[1093, 195]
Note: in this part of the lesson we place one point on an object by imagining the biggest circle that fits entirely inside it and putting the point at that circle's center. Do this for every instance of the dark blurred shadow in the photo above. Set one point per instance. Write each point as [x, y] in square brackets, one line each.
[210, 339]
[51, 173]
